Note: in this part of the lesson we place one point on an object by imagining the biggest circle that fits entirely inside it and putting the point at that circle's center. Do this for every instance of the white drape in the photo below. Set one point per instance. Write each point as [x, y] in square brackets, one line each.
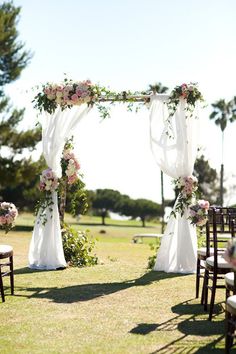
[46, 251]
[175, 154]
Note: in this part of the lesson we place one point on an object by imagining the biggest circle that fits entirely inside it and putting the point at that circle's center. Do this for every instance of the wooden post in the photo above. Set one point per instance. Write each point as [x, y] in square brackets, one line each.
[62, 205]
[162, 203]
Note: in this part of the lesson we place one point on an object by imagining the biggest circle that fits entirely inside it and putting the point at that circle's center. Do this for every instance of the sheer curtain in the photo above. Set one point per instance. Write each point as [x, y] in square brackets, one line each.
[46, 251]
[175, 153]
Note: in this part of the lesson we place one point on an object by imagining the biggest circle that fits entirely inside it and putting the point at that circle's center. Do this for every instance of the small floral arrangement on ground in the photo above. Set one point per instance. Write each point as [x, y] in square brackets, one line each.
[187, 189]
[230, 253]
[199, 212]
[8, 215]
[69, 163]
[69, 93]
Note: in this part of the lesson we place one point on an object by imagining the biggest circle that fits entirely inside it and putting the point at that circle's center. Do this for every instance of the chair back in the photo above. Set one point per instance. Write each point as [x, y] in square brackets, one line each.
[220, 228]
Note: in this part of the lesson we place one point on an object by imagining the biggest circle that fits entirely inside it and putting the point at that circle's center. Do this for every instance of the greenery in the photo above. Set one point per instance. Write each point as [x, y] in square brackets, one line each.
[114, 307]
[78, 246]
[105, 200]
[18, 175]
[208, 180]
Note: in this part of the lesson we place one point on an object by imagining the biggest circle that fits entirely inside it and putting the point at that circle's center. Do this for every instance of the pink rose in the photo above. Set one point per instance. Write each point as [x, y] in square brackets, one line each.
[74, 97]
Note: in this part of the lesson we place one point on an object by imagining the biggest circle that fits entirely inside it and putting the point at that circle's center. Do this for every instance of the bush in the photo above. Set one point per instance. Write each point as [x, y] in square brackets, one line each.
[152, 259]
[78, 246]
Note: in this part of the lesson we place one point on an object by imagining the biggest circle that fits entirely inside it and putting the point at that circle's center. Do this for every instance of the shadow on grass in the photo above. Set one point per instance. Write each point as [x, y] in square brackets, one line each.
[86, 292]
[193, 325]
[24, 228]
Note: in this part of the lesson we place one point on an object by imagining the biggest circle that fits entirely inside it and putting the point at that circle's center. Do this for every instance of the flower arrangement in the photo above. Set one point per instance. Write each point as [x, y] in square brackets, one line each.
[199, 212]
[69, 93]
[70, 164]
[230, 253]
[187, 188]
[188, 92]
[48, 181]
[8, 215]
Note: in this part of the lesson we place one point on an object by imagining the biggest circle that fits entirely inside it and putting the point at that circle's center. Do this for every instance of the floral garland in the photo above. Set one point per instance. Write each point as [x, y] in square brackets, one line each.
[199, 213]
[69, 93]
[187, 189]
[8, 215]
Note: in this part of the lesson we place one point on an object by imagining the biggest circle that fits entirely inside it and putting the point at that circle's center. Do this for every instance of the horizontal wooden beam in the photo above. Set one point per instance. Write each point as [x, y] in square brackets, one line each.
[130, 98]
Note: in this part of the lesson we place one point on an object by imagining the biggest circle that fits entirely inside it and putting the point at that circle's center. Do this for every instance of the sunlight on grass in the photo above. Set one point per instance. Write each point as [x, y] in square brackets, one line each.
[115, 307]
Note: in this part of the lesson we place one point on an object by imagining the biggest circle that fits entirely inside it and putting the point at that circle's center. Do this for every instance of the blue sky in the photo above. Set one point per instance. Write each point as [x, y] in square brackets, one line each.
[128, 44]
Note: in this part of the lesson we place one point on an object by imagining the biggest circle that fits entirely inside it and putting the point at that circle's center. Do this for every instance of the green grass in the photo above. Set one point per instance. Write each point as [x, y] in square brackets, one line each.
[115, 307]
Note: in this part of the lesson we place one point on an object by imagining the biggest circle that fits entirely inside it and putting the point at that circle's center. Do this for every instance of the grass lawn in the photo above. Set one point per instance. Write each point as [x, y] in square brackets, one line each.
[115, 307]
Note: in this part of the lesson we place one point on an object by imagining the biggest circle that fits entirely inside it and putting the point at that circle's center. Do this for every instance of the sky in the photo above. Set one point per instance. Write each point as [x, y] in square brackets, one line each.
[127, 45]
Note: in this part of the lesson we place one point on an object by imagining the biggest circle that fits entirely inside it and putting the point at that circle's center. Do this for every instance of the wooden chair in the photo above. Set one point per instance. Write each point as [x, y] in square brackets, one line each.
[6, 252]
[230, 310]
[221, 229]
[222, 225]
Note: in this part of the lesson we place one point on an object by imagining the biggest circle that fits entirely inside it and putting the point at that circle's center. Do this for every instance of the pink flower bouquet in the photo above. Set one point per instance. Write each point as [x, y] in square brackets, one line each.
[48, 181]
[198, 213]
[8, 215]
[72, 166]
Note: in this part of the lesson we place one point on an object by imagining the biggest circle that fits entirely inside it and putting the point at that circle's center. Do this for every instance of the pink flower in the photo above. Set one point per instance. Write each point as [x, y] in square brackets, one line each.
[74, 97]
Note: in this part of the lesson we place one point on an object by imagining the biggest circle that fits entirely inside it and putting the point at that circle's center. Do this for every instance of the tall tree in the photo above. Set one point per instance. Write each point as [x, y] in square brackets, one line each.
[142, 208]
[208, 180]
[105, 200]
[159, 88]
[223, 113]
[13, 59]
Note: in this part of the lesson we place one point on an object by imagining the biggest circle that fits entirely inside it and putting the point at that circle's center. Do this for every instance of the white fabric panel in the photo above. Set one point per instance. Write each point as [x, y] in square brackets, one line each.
[46, 251]
[175, 155]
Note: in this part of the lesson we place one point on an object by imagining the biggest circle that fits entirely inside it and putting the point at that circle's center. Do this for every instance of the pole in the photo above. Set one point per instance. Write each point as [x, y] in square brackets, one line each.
[222, 172]
[162, 203]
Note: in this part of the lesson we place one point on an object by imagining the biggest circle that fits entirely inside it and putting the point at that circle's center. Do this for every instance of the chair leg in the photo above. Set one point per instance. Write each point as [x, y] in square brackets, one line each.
[213, 293]
[229, 332]
[1, 287]
[206, 281]
[198, 278]
[11, 275]
[203, 289]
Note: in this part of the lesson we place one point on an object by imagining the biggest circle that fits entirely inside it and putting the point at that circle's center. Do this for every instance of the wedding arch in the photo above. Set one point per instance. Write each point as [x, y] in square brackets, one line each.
[173, 138]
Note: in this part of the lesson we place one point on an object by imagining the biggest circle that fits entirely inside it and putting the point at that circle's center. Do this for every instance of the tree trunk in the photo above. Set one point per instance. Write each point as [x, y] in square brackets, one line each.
[143, 221]
[103, 219]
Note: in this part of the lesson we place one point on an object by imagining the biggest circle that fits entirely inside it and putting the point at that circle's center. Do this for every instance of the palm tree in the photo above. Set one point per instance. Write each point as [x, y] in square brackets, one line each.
[159, 88]
[223, 112]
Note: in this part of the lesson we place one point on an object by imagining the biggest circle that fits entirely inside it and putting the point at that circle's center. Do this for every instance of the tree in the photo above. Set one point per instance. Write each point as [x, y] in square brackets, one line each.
[13, 59]
[142, 208]
[208, 180]
[159, 88]
[223, 112]
[106, 200]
